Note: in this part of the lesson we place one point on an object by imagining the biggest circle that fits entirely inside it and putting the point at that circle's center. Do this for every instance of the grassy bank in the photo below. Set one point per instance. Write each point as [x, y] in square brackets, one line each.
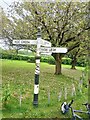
[18, 80]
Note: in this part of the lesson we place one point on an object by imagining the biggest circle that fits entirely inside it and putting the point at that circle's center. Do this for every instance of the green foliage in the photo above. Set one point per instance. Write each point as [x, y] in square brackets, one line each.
[49, 60]
[31, 59]
[81, 62]
[66, 61]
[44, 59]
[13, 56]
[6, 94]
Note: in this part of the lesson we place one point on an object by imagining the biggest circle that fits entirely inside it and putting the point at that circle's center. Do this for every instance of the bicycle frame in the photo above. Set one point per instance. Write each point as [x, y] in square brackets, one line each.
[77, 116]
[74, 115]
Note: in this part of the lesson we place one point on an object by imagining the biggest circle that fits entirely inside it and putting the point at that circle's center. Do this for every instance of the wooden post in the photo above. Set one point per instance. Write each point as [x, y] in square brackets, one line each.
[20, 99]
[65, 90]
[48, 95]
[59, 96]
[73, 90]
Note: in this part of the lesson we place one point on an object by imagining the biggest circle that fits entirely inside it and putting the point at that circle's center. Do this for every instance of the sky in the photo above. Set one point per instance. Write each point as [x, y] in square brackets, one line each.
[5, 3]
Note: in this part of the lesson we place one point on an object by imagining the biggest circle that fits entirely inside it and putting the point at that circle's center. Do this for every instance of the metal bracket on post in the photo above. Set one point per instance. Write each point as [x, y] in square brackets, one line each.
[37, 69]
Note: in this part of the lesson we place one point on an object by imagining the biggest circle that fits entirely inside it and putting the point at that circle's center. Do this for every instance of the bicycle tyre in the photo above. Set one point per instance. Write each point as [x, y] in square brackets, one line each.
[73, 118]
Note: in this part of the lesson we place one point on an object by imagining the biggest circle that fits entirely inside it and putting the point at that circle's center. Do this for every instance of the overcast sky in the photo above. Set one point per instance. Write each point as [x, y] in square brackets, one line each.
[5, 3]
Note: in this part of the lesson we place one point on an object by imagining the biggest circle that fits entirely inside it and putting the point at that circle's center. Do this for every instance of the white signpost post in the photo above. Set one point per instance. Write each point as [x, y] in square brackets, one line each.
[45, 50]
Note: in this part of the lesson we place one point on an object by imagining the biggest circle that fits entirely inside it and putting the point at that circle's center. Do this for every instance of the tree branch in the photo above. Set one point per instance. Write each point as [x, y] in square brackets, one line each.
[43, 22]
[74, 46]
[62, 36]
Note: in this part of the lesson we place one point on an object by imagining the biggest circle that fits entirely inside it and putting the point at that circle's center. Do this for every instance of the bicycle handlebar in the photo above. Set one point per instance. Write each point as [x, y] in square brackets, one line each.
[69, 105]
[87, 106]
[65, 106]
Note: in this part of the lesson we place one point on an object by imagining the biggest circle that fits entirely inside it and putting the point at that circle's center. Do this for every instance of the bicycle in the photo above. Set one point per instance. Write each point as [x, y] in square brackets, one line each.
[65, 108]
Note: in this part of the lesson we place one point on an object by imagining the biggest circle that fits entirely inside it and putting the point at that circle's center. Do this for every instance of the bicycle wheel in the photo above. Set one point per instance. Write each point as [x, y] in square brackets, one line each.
[73, 118]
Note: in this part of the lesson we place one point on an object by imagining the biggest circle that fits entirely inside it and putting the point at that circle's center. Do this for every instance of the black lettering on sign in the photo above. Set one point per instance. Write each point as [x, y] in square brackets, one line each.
[50, 50]
[54, 49]
[25, 41]
[16, 41]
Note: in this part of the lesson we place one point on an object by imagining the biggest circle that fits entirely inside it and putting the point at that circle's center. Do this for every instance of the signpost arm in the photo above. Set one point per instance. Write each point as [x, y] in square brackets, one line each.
[37, 70]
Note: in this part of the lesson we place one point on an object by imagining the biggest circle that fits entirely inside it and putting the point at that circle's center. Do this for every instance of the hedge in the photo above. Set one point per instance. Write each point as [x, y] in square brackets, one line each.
[81, 62]
[31, 59]
[66, 61]
[13, 56]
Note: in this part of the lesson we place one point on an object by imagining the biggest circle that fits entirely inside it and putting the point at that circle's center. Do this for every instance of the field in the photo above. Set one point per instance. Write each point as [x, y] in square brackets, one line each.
[18, 84]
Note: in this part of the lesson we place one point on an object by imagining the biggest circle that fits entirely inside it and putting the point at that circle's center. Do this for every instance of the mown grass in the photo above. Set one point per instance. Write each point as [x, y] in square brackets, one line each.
[18, 78]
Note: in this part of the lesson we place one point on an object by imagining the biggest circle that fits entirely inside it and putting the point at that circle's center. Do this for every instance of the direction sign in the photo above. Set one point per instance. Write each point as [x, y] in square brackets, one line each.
[45, 49]
[59, 50]
[45, 43]
[25, 42]
[33, 42]
[53, 50]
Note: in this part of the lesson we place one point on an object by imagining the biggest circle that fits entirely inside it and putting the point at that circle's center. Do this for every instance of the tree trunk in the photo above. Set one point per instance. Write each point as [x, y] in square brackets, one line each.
[58, 60]
[74, 59]
[73, 63]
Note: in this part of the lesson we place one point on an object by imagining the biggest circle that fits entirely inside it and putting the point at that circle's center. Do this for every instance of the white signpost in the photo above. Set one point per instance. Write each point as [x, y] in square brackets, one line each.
[32, 42]
[45, 43]
[45, 50]
[25, 42]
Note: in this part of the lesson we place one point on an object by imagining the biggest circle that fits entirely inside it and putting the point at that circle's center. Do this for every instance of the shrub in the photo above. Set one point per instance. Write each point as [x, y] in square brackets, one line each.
[31, 59]
[81, 62]
[44, 59]
[66, 61]
[51, 60]
[11, 56]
